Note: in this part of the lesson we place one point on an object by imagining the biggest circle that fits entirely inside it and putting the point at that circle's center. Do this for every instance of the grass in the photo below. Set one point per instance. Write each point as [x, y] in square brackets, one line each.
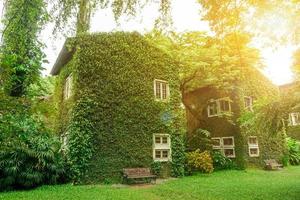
[232, 185]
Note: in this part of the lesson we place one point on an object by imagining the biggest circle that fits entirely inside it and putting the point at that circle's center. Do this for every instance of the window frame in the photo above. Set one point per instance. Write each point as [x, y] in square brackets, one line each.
[292, 119]
[223, 147]
[161, 90]
[162, 147]
[248, 107]
[64, 141]
[253, 146]
[68, 87]
[218, 106]
[208, 109]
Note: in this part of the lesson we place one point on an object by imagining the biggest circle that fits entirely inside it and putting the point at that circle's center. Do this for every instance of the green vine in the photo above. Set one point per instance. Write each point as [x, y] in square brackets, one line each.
[114, 113]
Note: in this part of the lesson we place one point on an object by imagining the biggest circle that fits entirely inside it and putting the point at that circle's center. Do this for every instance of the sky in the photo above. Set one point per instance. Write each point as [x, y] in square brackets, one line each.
[186, 17]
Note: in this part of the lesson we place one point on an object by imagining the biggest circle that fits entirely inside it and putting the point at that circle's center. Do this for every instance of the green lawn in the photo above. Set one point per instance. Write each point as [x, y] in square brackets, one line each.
[232, 185]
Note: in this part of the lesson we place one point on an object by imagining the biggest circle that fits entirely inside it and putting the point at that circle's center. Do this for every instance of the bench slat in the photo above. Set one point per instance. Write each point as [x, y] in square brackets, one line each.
[138, 173]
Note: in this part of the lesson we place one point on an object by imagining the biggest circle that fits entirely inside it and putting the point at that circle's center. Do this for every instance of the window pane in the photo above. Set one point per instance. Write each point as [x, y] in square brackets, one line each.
[164, 90]
[158, 89]
[229, 152]
[157, 154]
[212, 108]
[252, 140]
[253, 151]
[216, 142]
[165, 153]
[224, 106]
[295, 118]
[164, 140]
[157, 139]
[66, 89]
[228, 141]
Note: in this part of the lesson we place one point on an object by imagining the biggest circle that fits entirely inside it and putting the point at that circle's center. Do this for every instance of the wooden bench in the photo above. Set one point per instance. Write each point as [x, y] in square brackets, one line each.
[272, 164]
[138, 175]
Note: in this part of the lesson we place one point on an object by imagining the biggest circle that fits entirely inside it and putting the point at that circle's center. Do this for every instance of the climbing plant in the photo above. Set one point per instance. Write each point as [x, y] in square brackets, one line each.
[113, 115]
[21, 49]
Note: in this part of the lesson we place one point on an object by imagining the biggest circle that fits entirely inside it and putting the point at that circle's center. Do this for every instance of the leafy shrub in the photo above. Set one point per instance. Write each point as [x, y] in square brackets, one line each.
[29, 154]
[199, 139]
[178, 156]
[156, 168]
[294, 151]
[200, 161]
[222, 162]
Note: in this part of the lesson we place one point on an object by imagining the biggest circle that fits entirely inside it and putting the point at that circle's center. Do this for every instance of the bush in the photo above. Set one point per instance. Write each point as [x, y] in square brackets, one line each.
[156, 168]
[29, 154]
[200, 161]
[293, 151]
[178, 155]
[222, 162]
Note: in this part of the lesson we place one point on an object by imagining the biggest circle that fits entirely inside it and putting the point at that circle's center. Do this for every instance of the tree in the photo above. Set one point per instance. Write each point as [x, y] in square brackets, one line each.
[296, 63]
[66, 10]
[21, 49]
[205, 61]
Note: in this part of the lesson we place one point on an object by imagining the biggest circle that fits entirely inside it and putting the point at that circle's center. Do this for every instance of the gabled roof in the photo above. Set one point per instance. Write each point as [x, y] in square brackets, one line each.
[63, 58]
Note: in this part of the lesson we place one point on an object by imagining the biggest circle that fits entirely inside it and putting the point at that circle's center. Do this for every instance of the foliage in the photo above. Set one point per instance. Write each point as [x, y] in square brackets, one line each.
[254, 17]
[296, 63]
[113, 104]
[42, 100]
[268, 117]
[293, 151]
[156, 168]
[66, 10]
[29, 155]
[44, 87]
[267, 122]
[222, 162]
[199, 139]
[80, 148]
[201, 161]
[22, 56]
[178, 155]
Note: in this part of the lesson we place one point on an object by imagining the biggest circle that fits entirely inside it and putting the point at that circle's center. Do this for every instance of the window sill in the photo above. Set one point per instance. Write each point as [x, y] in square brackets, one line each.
[162, 100]
[221, 114]
[294, 125]
[162, 160]
[253, 156]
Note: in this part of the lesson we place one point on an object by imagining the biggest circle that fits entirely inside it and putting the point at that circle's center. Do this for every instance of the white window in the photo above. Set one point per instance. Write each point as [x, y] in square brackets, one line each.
[161, 147]
[218, 107]
[294, 119]
[225, 145]
[161, 90]
[64, 141]
[68, 87]
[248, 103]
[253, 146]
[212, 109]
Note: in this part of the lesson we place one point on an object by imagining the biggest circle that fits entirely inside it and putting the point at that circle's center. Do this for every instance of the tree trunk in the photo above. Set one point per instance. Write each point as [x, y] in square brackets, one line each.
[83, 17]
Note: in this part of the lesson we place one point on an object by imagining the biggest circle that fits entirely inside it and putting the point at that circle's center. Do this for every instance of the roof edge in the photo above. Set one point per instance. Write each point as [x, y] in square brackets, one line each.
[63, 58]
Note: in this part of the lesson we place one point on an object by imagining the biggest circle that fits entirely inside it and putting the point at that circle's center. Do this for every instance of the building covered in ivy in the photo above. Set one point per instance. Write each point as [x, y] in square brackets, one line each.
[117, 97]
[290, 95]
[216, 112]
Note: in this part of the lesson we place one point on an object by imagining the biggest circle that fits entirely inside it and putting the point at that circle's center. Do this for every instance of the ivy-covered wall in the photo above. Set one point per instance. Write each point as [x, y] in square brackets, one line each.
[290, 99]
[270, 146]
[294, 132]
[218, 126]
[114, 112]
